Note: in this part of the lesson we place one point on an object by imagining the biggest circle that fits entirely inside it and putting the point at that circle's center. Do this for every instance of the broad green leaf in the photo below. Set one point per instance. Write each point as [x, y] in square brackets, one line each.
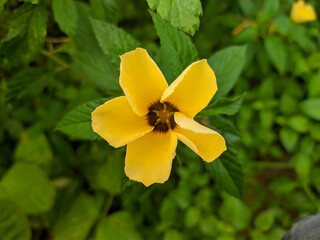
[77, 123]
[315, 132]
[27, 185]
[34, 147]
[13, 222]
[119, 225]
[65, 13]
[105, 10]
[223, 106]
[227, 173]
[314, 86]
[248, 7]
[28, 83]
[311, 108]
[288, 138]
[265, 219]
[177, 50]
[78, 221]
[227, 65]
[183, 15]
[276, 51]
[113, 40]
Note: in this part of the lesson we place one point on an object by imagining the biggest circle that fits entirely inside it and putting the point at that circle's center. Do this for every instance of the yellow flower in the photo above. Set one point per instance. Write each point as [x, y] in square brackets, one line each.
[302, 12]
[152, 116]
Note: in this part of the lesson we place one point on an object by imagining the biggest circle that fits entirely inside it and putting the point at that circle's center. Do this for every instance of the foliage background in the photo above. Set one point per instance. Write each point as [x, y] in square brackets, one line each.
[59, 59]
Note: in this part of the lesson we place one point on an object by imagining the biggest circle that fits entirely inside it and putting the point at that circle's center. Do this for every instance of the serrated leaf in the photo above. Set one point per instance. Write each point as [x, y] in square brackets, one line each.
[105, 10]
[65, 13]
[77, 123]
[118, 225]
[76, 223]
[177, 50]
[311, 108]
[227, 173]
[27, 185]
[28, 83]
[13, 222]
[183, 15]
[227, 65]
[276, 52]
[223, 106]
[113, 40]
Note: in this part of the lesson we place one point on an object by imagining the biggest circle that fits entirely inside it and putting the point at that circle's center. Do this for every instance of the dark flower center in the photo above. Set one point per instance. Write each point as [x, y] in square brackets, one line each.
[161, 116]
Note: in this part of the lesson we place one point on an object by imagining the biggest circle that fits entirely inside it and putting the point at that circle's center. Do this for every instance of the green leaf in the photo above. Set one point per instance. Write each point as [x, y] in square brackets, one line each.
[227, 173]
[314, 86]
[236, 212]
[270, 7]
[34, 147]
[249, 8]
[265, 220]
[2, 3]
[227, 65]
[13, 222]
[223, 106]
[302, 164]
[77, 123]
[288, 138]
[118, 225]
[77, 222]
[105, 10]
[113, 40]
[27, 185]
[177, 50]
[299, 123]
[28, 83]
[276, 52]
[65, 14]
[109, 176]
[311, 108]
[183, 15]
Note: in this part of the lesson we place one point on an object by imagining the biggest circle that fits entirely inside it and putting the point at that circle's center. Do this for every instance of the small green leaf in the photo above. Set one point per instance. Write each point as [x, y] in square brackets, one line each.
[28, 83]
[28, 186]
[314, 86]
[113, 40]
[77, 123]
[13, 222]
[223, 106]
[265, 220]
[2, 3]
[227, 65]
[65, 13]
[105, 10]
[236, 212]
[288, 138]
[119, 225]
[302, 164]
[299, 123]
[249, 8]
[276, 52]
[311, 108]
[77, 222]
[175, 44]
[183, 15]
[227, 173]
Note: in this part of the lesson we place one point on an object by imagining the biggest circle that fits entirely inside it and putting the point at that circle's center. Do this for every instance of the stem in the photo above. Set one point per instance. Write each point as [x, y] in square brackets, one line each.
[55, 59]
[107, 206]
[309, 193]
[273, 165]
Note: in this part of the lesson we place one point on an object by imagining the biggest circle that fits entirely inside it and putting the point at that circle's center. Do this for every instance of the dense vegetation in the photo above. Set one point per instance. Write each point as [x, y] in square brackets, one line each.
[59, 60]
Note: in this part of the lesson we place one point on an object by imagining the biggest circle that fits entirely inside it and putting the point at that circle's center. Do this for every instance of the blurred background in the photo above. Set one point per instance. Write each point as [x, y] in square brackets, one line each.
[57, 186]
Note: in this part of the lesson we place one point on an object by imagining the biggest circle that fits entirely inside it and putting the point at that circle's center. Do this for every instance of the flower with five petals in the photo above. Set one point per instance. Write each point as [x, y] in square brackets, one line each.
[152, 116]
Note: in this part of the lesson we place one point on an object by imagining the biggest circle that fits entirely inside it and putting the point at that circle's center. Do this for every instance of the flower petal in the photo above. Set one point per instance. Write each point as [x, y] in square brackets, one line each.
[117, 123]
[141, 80]
[208, 144]
[302, 12]
[193, 89]
[149, 158]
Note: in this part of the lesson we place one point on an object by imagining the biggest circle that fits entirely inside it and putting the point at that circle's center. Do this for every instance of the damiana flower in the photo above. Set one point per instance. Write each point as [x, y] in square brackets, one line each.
[152, 116]
[302, 12]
